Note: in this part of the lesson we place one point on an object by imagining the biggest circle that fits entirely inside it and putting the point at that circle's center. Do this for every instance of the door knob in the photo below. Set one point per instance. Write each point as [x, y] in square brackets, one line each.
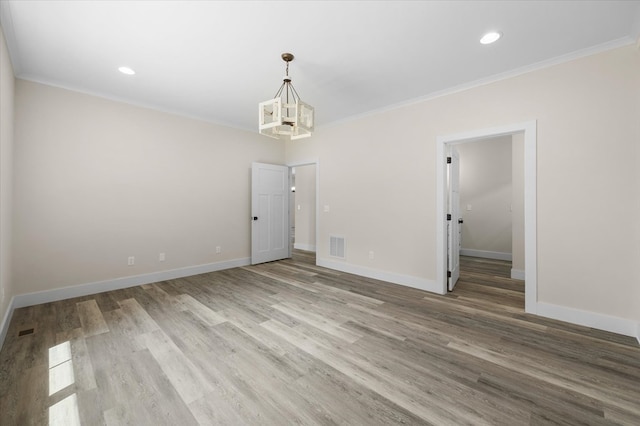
[255, 218]
[460, 220]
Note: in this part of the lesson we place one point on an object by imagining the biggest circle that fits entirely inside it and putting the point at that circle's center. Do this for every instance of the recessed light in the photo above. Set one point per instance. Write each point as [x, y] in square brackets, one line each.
[491, 37]
[126, 70]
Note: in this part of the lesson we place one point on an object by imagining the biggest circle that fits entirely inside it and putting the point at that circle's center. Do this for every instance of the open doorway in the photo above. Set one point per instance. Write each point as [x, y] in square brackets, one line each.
[527, 131]
[492, 200]
[491, 219]
[303, 208]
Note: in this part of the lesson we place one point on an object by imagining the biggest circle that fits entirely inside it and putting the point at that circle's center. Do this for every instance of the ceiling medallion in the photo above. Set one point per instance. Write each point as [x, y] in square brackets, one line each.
[286, 116]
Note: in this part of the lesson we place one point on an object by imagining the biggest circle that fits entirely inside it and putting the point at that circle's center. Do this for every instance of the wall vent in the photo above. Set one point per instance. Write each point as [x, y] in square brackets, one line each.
[336, 246]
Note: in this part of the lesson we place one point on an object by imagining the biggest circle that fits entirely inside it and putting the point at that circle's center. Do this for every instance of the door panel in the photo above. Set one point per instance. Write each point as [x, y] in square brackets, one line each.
[453, 227]
[270, 214]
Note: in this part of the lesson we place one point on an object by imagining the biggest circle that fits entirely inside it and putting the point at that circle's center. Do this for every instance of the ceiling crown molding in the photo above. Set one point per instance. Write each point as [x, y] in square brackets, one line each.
[635, 27]
[6, 26]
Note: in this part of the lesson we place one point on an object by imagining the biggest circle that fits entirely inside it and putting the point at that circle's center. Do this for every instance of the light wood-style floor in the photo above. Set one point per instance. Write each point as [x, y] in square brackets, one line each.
[291, 343]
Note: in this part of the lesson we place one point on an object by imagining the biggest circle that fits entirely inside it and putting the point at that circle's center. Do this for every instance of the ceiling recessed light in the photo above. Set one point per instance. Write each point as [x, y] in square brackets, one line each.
[126, 70]
[491, 37]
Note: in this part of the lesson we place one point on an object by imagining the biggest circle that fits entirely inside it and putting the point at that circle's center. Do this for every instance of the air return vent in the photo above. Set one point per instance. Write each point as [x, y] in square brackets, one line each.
[336, 246]
[25, 332]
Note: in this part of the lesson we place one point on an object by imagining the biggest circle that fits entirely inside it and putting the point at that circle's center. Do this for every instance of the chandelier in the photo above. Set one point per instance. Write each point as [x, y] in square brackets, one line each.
[286, 116]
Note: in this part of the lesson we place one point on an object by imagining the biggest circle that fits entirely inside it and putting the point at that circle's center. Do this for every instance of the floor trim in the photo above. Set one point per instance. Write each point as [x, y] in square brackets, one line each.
[498, 255]
[574, 316]
[6, 320]
[517, 274]
[305, 247]
[610, 323]
[30, 299]
[406, 280]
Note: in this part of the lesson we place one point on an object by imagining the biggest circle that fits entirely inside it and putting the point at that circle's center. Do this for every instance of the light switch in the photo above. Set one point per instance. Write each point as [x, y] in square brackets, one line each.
[326, 208]
[468, 207]
[299, 208]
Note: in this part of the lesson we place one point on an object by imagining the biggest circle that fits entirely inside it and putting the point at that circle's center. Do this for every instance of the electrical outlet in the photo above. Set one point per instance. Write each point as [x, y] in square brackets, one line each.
[371, 255]
[131, 260]
[218, 249]
[161, 257]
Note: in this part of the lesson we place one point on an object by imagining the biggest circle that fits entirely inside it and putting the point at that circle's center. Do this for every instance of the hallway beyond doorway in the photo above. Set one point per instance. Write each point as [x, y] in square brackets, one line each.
[487, 282]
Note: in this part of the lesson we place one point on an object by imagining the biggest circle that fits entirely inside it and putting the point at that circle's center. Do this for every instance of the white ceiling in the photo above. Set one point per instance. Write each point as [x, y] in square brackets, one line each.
[215, 60]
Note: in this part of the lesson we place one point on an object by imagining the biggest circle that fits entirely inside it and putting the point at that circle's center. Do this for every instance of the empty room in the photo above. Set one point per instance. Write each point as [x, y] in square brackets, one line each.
[319, 212]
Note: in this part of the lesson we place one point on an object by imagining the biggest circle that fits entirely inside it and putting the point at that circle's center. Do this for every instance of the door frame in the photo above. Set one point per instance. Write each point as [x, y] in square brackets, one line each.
[530, 200]
[302, 164]
[453, 225]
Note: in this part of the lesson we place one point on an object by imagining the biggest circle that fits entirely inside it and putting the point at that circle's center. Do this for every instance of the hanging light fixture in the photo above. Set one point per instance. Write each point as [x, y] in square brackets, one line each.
[286, 116]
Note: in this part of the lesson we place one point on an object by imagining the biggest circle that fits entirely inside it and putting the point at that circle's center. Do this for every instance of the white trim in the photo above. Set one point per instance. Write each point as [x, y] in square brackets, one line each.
[517, 274]
[133, 103]
[613, 324]
[391, 277]
[635, 28]
[530, 209]
[498, 255]
[6, 320]
[31, 299]
[306, 247]
[610, 45]
[593, 50]
[638, 332]
[6, 17]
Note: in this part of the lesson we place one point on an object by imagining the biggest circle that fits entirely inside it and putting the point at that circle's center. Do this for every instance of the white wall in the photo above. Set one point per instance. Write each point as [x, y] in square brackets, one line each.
[379, 179]
[7, 82]
[305, 207]
[485, 187]
[97, 181]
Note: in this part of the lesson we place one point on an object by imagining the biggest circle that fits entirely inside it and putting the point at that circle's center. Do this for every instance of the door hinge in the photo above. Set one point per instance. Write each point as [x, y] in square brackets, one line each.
[448, 160]
[448, 274]
[448, 216]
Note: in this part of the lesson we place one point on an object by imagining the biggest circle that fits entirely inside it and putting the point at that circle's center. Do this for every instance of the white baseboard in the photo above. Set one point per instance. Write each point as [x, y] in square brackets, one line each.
[392, 277]
[517, 274]
[613, 324]
[575, 316]
[498, 255]
[4, 326]
[30, 299]
[306, 247]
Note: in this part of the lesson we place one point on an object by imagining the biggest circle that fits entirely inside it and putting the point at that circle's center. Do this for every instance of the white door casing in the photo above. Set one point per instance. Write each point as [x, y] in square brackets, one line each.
[269, 212]
[530, 201]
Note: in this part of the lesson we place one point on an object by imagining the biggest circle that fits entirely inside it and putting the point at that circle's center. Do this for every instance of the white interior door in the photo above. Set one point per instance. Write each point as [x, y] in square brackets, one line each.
[269, 212]
[453, 219]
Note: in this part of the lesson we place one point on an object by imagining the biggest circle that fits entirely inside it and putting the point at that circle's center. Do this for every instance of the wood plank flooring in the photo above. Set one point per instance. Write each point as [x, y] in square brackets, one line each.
[292, 343]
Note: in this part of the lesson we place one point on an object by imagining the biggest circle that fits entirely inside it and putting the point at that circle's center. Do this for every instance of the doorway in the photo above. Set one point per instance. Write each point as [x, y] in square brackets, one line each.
[303, 209]
[444, 145]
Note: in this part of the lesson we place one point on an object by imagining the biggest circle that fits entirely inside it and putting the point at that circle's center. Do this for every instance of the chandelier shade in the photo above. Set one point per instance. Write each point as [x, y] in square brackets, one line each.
[286, 116]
